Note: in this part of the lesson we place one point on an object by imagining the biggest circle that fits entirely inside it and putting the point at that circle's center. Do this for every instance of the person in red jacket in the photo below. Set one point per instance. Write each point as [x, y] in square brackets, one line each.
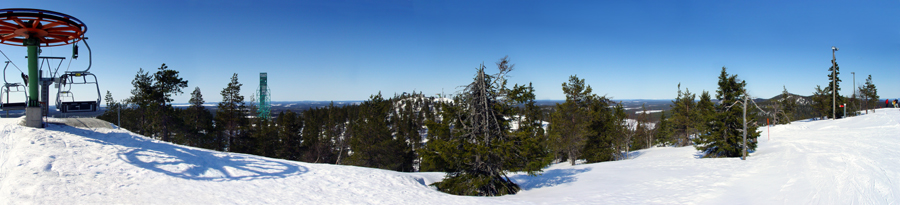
[887, 103]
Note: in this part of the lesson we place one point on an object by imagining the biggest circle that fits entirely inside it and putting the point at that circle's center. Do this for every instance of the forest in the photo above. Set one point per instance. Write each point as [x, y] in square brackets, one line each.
[476, 135]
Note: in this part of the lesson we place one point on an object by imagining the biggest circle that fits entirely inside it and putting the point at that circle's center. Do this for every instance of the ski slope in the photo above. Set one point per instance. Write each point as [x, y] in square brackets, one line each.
[846, 161]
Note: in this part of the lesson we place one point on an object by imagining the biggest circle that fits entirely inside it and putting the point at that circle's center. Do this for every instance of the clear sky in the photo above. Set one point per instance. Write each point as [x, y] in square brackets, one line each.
[348, 50]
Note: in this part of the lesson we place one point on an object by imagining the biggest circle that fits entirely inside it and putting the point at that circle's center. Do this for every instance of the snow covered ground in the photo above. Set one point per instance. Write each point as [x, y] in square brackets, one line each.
[846, 161]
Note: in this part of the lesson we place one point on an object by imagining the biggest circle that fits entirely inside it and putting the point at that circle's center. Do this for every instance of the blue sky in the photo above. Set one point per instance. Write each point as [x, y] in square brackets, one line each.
[348, 50]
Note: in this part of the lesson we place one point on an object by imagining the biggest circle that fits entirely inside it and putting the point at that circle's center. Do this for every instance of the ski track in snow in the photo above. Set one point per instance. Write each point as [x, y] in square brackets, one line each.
[846, 161]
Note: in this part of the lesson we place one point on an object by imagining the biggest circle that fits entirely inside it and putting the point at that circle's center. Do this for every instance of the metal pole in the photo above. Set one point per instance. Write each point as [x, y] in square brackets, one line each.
[744, 157]
[33, 108]
[855, 96]
[33, 46]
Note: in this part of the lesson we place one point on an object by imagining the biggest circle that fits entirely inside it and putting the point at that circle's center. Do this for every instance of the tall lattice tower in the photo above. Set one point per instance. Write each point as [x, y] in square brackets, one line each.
[264, 96]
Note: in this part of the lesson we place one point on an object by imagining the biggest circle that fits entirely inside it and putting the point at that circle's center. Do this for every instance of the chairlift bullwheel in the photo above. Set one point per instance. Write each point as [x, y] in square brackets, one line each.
[51, 28]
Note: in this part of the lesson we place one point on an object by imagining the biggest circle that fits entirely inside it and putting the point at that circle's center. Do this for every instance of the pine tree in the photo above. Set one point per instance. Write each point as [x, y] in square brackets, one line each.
[165, 84]
[230, 120]
[112, 112]
[110, 102]
[141, 98]
[289, 127]
[569, 124]
[199, 122]
[264, 137]
[725, 137]
[316, 148]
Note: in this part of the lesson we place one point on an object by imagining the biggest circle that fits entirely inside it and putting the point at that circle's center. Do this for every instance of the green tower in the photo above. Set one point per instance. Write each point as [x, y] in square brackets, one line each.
[264, 96]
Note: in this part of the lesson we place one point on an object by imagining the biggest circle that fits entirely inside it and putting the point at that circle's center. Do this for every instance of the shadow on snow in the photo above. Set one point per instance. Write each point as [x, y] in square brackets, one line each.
[187, 162]
[548, 178]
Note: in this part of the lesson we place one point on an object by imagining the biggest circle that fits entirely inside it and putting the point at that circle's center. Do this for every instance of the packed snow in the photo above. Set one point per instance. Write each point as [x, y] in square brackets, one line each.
[846, 161]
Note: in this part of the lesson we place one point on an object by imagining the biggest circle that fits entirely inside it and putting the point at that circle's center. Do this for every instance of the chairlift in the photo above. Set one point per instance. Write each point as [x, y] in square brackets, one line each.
[65, 98]
[8, 89]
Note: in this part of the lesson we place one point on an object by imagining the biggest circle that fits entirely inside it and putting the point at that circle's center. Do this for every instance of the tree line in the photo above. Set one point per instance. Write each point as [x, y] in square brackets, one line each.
[477, 135]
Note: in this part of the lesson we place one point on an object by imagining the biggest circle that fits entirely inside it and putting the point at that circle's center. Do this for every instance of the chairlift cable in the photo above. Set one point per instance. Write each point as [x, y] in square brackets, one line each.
[14, 63]
[53, 75]
[70, 65]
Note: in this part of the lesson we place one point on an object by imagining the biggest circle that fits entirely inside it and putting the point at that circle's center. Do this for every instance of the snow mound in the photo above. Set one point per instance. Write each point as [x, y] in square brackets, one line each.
[847, 161]
[61, 164]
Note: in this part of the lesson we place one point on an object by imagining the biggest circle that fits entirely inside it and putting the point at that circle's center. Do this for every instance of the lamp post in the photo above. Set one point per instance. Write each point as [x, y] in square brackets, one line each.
[855, 97]
[833, 84]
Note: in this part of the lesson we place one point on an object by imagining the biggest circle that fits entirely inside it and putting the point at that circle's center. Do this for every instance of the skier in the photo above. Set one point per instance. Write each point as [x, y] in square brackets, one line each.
[895, 103]
[887, 102]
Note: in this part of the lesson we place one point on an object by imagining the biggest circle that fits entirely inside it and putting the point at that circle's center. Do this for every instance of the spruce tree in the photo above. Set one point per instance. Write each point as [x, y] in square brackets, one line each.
[787, 105]
[606, 128]
[834, 84]
[374, 145]
[684, 117]
[479, 155]
[530, 133]
[439, 137]
[642, 137]
[821, 102]
[725, 137]
[706, 111]
[663, 131]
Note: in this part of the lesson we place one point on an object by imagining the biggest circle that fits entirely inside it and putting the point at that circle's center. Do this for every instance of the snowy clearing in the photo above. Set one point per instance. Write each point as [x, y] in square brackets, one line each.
[647, 112]
[845, 161]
